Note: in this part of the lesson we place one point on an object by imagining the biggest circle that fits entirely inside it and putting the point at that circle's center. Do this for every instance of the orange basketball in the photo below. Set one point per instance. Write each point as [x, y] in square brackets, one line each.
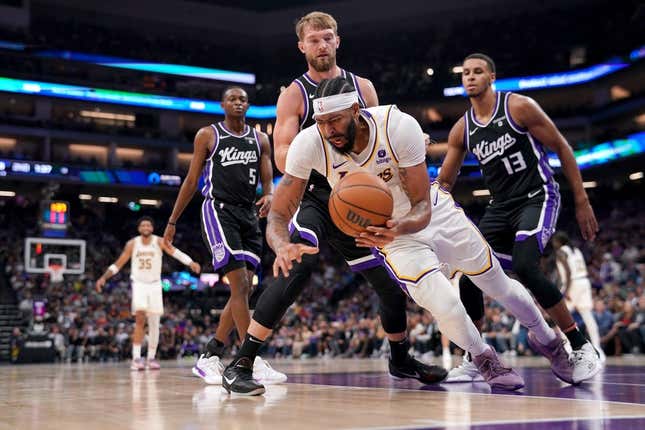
[358, 200]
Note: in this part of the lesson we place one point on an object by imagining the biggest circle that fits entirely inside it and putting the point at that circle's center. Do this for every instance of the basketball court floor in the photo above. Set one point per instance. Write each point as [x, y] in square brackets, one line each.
[320, 394]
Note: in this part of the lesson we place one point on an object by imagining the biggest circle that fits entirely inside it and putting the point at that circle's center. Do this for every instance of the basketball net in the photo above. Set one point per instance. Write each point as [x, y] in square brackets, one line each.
[55, 273]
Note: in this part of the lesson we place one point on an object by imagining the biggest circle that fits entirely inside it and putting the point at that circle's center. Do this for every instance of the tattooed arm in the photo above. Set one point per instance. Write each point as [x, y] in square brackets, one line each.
[416, 185]
[287, 199]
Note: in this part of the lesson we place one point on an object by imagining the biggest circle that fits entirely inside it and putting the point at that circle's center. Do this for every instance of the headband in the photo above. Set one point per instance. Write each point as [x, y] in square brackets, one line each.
[325, 105]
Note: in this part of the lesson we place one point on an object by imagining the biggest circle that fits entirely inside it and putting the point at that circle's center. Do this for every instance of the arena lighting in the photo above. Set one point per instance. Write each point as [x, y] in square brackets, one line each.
[165, 68]
[636, 176]
[552, 80]
[429, 71]
[85, 197]
[637, 53]
[457, 69]
[107, 115]
[103, 199]
[7, 193]
[94, 95]
[590, 184]
[149, 202]
[481, 193]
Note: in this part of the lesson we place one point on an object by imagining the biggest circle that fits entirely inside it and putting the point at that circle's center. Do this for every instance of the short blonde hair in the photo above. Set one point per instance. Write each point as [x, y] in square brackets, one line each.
[317, 21]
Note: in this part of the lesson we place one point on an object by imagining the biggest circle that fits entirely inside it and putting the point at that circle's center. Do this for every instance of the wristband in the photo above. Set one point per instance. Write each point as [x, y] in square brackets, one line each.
[181, 257]
[113, 269]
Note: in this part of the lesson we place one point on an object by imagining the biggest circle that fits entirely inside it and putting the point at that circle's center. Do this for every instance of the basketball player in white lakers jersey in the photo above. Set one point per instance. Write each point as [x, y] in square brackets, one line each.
[390, 144]
[576, 286]
[145, 273]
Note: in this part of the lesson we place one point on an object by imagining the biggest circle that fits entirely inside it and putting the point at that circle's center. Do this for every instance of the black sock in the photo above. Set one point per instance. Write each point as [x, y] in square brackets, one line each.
[576, 338]
[399, 351]
[249, 349]
[214, 347]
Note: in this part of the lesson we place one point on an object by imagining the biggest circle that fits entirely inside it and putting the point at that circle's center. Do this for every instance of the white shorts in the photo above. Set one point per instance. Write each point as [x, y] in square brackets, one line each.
[580, 295]
[450, 238]
[147, 296]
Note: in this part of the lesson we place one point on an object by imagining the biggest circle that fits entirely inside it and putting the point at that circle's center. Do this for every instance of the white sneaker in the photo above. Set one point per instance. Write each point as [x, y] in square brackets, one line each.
[465, 372]
[602, 356]
[265, 374]
[209, 369]
[586, 363]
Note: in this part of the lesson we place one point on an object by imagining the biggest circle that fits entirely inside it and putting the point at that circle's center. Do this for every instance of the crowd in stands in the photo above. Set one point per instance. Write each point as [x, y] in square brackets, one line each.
[335, 316]
[397, 67]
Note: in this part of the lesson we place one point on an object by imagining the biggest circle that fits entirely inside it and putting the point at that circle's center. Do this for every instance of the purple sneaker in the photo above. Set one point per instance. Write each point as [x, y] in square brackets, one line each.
[495, 373]
[153, 364]
[561, 363]
[138, 364]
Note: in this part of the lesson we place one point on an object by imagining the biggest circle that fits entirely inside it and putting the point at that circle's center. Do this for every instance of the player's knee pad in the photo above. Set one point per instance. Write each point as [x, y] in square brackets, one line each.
[392, 300]
[526, 258]
[435, 294]
[472, 298]
[279, 295]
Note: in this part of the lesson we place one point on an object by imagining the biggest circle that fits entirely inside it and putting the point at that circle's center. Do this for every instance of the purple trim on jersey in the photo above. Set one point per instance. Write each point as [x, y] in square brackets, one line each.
[309, 236]
[546, 172]
[255, 262]
[509, 117]
[364, 265]
[358, 89]
[474, 117]
[257, 142]
[308, 79]
[506, 261]
[305, 100]
[244, 133]
[214, 234]
[207, 188]
[548, 217]
[466, 132]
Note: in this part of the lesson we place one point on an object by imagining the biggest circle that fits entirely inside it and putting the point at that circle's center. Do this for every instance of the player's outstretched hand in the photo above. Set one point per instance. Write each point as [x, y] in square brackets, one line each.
[378, 236]
[586, 220]
[100, 283]
[285, 255]
[169, 234]
[265, 205]
[195, 267]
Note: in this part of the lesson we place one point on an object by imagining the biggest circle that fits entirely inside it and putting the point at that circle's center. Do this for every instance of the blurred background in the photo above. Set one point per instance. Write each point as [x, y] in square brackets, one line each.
[100, 101]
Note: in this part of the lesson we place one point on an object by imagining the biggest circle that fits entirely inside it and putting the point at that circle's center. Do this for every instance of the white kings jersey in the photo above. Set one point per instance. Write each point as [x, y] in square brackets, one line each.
[146, 260]
[576, 262]
[395, 141]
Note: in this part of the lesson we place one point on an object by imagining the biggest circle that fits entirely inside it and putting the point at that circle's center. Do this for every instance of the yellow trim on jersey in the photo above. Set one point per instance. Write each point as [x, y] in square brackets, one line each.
[489, 263]
[327, 157]
[374, 143]
[387, 135]
[414, 279]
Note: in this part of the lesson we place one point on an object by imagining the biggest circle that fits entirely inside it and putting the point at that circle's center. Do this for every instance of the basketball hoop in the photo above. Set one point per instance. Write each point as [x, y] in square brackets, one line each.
[55, 273]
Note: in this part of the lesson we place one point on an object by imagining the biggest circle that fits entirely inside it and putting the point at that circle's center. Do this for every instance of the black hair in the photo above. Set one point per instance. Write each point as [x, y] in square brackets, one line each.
[145, 218]
[561, 237]
[330, 87]
[232, 87]
[479, 56]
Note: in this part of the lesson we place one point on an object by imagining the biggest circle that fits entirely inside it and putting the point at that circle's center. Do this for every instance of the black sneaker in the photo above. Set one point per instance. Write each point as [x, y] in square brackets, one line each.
[417, 370]
[238, 379]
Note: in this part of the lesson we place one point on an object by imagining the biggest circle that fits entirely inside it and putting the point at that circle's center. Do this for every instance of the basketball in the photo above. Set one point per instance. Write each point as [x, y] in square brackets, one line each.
[358, 200]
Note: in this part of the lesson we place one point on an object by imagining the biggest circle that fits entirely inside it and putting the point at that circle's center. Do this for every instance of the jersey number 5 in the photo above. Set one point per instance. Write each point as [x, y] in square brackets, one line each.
[252, 177]
[514, 163]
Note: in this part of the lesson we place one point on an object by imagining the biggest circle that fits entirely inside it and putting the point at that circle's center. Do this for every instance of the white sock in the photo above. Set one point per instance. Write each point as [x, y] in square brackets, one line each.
[136, 351]
[436, 294]
[153, 335]
[514, 297]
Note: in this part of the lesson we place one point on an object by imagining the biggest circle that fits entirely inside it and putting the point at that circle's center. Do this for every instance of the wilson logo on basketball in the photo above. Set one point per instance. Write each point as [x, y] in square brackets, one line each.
[355, 218]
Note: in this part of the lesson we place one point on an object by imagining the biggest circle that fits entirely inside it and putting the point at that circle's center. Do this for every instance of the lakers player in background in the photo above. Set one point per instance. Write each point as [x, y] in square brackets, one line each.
[576, 286]
[231, 157]
[145, 251]
[509, 135]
